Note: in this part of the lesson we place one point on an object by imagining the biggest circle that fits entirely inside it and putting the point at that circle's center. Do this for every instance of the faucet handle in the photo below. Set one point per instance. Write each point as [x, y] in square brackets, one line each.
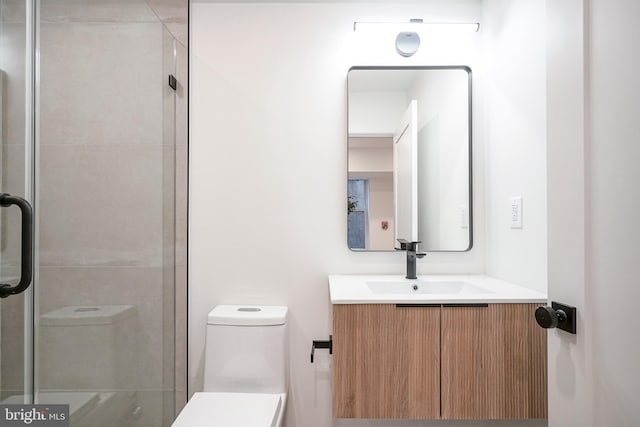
[403, 245]
[406, 245]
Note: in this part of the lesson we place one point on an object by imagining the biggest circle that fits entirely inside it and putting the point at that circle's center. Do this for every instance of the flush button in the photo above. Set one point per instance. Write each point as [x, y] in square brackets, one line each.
[85, 309]
[249, 309]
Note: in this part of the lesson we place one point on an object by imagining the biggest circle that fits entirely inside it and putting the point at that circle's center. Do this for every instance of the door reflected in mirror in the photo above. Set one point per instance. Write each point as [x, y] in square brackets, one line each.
[409, 150]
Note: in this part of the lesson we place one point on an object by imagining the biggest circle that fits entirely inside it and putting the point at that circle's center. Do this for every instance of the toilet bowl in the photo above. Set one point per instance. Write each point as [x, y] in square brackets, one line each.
[246, 369]
[209, 409]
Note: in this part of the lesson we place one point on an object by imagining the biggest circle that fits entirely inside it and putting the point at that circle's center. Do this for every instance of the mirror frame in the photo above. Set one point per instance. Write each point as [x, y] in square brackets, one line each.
[470, 142]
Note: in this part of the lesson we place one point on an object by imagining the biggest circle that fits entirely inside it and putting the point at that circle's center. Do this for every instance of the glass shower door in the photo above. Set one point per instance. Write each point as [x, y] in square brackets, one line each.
[87, 135]
[16, 162]
[105, 145]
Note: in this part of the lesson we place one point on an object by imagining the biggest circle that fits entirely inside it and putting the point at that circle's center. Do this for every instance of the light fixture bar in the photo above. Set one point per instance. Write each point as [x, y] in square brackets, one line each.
[417, 25]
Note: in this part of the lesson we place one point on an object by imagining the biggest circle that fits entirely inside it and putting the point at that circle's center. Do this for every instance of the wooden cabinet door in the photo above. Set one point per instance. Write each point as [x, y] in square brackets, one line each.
[493, 363]
[386, 361]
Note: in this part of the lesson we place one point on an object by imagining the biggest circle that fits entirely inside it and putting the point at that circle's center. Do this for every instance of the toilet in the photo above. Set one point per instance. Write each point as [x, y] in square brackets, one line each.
[245, 369]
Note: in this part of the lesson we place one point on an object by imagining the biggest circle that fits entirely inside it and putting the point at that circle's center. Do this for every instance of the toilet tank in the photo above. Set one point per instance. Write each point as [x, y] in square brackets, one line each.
[88, 348]
[247, 349]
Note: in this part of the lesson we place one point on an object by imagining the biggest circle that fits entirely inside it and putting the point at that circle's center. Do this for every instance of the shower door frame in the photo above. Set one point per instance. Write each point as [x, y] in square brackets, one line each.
[30, 194]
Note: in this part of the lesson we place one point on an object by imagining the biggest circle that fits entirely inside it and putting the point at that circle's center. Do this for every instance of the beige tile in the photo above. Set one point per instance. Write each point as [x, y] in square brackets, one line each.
[101, 205]
[182, 74]
[12, 11]
[168, 327]
[181, 335]
[174, 14]
[168, 94]
[13, 165]
[101, 83]
[181, 203]
[181, 200]
[180, 402]
[12, 344]
[10, 245]
[151, 403]
[12, 80]
[96, 11]
[181, 165]
[168, 206]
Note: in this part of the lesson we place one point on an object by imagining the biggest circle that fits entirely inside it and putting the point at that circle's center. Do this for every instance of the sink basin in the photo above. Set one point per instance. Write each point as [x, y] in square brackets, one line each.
[430, 289]
[440, 287]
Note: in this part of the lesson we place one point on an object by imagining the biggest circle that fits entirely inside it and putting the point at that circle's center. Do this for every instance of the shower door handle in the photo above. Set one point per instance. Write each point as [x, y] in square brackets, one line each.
[26, 258]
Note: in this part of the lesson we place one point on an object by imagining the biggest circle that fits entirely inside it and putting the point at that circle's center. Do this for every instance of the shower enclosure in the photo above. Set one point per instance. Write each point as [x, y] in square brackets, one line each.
[93, 136]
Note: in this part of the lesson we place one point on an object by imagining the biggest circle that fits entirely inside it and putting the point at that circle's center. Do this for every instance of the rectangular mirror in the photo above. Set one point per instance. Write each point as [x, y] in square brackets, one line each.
[409, 158]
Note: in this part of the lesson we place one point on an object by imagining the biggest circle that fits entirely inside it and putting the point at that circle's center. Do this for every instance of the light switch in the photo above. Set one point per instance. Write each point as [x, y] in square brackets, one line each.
[464, 216]
[516, 212]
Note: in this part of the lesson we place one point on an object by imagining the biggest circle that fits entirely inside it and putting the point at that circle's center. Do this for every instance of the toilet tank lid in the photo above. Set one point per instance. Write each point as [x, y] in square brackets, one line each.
[84, 315]
[248, 315]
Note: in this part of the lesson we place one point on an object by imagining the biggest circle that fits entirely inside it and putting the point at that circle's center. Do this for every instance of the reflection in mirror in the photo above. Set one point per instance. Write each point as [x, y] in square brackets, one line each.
[409, 162]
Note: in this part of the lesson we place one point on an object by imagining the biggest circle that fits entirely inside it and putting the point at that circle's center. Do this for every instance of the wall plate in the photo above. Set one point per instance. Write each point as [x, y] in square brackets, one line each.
[568, 325]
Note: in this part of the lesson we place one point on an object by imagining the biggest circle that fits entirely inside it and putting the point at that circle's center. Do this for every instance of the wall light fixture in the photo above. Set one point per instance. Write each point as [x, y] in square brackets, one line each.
[407, 33]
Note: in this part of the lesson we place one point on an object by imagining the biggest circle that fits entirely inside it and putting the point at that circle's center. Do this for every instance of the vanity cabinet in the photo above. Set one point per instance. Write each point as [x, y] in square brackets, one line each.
[482, 361]
[386, 361]
[494, 362]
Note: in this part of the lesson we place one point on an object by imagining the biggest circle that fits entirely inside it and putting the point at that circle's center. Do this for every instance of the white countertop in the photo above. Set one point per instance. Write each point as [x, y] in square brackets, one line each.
[431, 289]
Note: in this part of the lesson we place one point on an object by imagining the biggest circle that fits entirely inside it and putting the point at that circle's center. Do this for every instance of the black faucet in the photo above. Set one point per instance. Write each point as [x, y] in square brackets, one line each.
[412, 255]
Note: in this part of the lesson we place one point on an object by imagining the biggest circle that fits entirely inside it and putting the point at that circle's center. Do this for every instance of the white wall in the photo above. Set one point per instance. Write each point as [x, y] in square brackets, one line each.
[613, 177]
[613, 154]
[569, 357]
[367, 160]
[268, 167]
[515, 138]
[443, 160]
[376, 113]
[593, 134]
[268, 121]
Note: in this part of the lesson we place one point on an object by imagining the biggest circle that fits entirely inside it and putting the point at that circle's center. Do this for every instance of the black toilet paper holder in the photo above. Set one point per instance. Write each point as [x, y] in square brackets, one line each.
[328, 344]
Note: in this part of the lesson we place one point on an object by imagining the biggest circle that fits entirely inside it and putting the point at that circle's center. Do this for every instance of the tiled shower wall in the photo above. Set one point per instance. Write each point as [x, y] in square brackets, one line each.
[112, 191]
